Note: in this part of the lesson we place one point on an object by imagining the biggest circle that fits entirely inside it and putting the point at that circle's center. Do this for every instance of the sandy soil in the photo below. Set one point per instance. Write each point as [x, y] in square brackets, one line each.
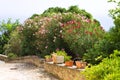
[23, 71]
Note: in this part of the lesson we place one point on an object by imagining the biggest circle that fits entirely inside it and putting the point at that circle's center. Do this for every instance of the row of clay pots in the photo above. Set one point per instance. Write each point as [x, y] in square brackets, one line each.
[60, 59]
[79, 64]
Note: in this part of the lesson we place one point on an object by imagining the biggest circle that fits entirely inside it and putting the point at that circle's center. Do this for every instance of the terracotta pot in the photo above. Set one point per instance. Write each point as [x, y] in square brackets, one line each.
[69, 63]
[80, 64]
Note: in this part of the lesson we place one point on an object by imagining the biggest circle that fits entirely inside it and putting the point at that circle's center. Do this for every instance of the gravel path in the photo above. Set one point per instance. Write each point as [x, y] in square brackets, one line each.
[23, 71]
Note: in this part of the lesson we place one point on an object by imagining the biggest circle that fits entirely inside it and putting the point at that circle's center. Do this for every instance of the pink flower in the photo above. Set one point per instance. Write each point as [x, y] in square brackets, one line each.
[61, 24]
[63, 49]
[57, 49]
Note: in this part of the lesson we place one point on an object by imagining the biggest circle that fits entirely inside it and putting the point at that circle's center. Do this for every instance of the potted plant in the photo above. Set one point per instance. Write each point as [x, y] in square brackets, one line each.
[81, 64]
[48, 58]
[57, 58]
[68, 61]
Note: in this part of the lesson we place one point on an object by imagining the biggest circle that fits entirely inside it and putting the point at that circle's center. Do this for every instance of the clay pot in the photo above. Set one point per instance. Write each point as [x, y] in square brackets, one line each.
[69, 63]
[80, 64]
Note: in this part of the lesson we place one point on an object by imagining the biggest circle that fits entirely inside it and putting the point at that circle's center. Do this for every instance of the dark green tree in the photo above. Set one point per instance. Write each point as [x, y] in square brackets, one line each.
[76, 9]
[114, 32]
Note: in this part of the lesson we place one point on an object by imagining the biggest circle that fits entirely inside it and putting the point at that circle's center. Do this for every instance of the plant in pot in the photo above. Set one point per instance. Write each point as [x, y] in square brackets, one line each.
[68, 61]
[48, 58]
[58, 57]
[81, 64]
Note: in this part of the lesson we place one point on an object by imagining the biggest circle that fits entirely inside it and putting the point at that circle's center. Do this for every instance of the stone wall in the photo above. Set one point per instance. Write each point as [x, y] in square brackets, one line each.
[3, 57]
[64, 73]
[27, 59]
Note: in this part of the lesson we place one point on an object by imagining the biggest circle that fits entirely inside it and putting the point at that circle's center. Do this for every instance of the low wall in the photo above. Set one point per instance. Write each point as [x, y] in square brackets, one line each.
[64, 73]
[3, 57]
[27, 59]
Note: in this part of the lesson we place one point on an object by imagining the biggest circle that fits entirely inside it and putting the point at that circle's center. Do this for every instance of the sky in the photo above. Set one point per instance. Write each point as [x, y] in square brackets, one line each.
[23, 9]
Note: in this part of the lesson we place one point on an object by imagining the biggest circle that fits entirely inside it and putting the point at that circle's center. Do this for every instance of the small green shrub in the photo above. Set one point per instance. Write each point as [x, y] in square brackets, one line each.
[12, 55]
[108, 69]
[63, 53]
[47, 56]
[14, 43]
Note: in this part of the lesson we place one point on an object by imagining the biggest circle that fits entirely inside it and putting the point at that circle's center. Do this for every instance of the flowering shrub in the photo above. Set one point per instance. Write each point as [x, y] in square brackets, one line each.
[28, 38]
[81, 34]
[72, 31]
[49, 35]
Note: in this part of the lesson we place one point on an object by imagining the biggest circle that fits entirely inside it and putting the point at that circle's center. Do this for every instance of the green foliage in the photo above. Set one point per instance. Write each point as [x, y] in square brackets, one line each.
[111, 41]
[72, 9]
[28, 37]
[12, 56]
[100, 50]
[5, 30]
[42, 34]
[33, 16]
[14, 43]
[63, 53]
[108, 69]
[75, 9]
[81, 34]
[48, 56]
[54, 10]
[114, 13]
[49, 36]
[52, 34]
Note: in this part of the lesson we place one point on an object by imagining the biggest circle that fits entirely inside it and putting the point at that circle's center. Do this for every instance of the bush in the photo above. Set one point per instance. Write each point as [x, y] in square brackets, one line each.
[81, 34]
[12, 56]
[63, 53]
[14, 43]
[98, 52]
[28, 38]
[5, 30]
[108, 69]
[49, 40]
[42, 34]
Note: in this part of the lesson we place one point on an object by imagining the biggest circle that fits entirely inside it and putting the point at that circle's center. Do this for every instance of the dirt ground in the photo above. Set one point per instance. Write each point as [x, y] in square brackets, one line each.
[23, 71]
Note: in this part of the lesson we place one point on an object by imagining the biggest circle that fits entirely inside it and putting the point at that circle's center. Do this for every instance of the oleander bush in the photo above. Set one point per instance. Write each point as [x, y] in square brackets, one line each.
[73, 32]
[74, 29]
[81, 34]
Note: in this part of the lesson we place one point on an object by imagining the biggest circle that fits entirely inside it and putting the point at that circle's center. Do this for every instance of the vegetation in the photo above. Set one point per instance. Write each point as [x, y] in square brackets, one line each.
[73, 30]
[5, 30]
[108, 69]
[42, 34]
[12, 56]
[111, 39]
[63, 53]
